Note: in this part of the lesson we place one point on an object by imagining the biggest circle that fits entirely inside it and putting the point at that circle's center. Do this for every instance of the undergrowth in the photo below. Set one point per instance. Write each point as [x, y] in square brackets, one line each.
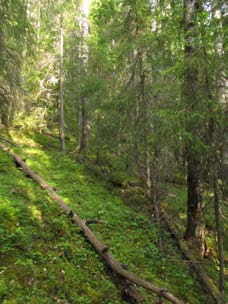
[45, 259]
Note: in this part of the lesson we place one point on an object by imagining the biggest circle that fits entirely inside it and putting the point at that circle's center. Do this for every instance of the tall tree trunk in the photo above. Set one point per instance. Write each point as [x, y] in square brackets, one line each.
[98, 139]
[155, 200]
[28, 15]
[151, 174]
[219, 13]
[215, 137]
[224, 161]
[195, 231]
[135, 122]
[148, 175]
[84, 27]
[85, 126]
[28, 9]
[38, 23]
[219, 234]
[79, 123]
[195, 205]
[62, 120]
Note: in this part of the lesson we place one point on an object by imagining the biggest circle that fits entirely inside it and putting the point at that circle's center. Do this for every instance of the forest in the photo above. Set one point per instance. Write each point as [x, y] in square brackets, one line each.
[113, 152]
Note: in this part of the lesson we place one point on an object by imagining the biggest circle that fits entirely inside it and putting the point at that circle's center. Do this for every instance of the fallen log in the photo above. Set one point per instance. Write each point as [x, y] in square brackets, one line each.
[102, 249]
[9, 142]
[205, 280]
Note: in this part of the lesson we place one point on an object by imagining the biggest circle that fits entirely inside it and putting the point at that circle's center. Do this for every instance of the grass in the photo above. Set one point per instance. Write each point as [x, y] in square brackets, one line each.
[45, 259]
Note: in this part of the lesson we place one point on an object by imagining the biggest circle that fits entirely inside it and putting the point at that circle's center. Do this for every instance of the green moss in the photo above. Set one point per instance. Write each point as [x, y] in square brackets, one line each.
[46, 258]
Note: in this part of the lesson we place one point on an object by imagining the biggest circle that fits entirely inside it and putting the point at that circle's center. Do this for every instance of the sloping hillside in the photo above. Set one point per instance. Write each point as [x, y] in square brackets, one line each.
[45, 259]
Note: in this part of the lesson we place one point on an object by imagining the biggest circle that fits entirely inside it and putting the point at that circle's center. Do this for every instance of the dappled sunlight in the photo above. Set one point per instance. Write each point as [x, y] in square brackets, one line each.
[112, 119]
[35, 254]
[23, 138]
[36, 212]
[89, 197]
[92, 201]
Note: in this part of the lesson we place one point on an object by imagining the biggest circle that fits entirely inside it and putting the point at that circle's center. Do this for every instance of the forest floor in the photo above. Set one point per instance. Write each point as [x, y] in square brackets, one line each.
[45, 259]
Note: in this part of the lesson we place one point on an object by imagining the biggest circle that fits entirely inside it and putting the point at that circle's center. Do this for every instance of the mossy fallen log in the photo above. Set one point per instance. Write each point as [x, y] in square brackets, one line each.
[130, 279]
[202, 276]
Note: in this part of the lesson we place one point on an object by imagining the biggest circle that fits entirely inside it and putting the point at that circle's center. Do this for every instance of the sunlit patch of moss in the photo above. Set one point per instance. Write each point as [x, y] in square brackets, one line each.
[36, 213]
[183, 216]
[58, 262]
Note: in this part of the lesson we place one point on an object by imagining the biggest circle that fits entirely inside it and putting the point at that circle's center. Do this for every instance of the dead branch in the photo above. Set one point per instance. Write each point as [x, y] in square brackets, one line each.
[9, 142]
[94, 221]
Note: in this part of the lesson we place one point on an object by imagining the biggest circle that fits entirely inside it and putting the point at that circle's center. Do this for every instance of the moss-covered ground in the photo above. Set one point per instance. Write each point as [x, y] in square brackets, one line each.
[174, 206]
[45, 259]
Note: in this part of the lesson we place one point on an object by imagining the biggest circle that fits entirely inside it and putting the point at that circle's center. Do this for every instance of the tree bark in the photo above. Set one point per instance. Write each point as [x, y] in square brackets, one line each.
[38, 24]
[195, 231]
[102, 249]
[148, 176]
[85, 126]
[28, 9]
[62, 119]
[219, 236]
[79, 123]
[98, 139]
[84, 54]
[195, 207]
[156, 202]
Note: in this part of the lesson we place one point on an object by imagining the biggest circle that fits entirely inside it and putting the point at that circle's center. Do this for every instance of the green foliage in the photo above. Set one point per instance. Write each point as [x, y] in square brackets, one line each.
[13, 25]
[128, 78]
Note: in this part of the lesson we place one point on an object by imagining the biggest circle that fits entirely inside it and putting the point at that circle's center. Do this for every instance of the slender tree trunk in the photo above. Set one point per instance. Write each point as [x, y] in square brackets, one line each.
[219, 11]
[219, 234]
[62, 120]
[28, 9]
[79, 123]
[146, 131]
[224, 161]
[195, 206]
[155, 200]
[28, 15]
[148, 175]
[215, 137]
[151, 177]
[135, 122]
[85, 126]
[84, 26]
[38, 23]
[98, 140]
